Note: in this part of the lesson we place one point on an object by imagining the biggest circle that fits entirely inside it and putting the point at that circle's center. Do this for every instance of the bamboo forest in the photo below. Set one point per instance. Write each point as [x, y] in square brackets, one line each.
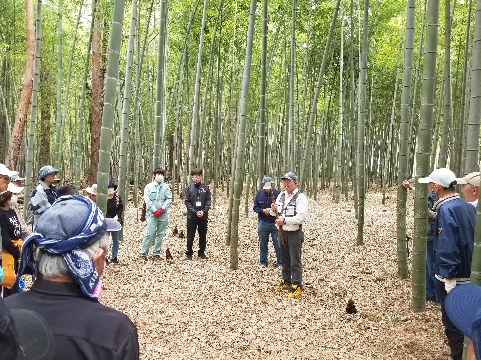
[323, 155]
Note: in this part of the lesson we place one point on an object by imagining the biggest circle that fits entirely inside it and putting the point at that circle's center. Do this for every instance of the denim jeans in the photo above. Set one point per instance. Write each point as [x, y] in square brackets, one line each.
[115, 243]
[264, 229]
[431, 287]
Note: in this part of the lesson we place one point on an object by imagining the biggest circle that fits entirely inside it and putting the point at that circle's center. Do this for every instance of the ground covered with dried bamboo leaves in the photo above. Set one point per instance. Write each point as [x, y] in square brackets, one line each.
[204, 310]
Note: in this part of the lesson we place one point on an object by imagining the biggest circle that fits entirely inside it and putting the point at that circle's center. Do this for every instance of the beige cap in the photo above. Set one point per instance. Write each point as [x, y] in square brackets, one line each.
[471, 178]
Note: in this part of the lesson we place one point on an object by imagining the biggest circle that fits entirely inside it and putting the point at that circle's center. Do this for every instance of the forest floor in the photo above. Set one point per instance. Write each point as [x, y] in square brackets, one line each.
[203, 310]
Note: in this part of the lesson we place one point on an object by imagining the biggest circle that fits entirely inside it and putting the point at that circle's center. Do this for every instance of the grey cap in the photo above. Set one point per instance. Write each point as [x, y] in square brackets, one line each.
[67, 216]
[289, 176]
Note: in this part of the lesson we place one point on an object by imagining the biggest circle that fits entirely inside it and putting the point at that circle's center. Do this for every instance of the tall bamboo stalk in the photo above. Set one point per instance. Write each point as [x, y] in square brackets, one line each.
[33, 114]
[418, 299]
[240, 151]
[108, 114]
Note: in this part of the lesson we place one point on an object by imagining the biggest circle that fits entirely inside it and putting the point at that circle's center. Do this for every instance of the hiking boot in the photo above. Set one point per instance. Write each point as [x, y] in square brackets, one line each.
[282, 286]
[203, 256]
[188, 257]
[295, 291]
[156, 257]
[143, 257]
[114, 260]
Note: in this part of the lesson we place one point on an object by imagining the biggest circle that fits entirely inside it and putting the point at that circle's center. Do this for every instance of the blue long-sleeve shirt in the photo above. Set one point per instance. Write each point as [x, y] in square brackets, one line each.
[262, 201]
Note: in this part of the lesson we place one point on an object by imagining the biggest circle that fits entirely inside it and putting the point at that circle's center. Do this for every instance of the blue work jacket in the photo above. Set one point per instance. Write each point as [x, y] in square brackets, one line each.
[454, 238]
[263, 200]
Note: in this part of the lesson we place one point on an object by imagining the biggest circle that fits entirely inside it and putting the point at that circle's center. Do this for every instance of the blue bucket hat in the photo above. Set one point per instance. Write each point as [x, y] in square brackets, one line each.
[463, 307]
[45, 170]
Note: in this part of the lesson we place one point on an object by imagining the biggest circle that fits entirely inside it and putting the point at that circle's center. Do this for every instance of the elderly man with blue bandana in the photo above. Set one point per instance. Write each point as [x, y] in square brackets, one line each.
[66, 253]
[157, 197]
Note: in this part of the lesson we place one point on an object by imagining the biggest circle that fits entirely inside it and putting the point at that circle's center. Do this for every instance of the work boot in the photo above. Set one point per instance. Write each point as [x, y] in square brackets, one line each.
[203, 256]
[282, 286]
[295, 291]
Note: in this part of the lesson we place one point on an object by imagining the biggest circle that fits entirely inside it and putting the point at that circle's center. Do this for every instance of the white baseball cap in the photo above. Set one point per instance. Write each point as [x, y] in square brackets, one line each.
[6, 171]
[442, 176]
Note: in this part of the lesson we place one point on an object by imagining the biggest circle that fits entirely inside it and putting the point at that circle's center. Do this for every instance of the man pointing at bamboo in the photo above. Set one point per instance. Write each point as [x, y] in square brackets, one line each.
[292, 207]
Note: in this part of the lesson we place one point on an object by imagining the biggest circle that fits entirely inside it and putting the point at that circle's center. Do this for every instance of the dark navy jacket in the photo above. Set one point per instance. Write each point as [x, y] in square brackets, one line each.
[194, 194]
[432, 197]
[264, 200]
[454, 238]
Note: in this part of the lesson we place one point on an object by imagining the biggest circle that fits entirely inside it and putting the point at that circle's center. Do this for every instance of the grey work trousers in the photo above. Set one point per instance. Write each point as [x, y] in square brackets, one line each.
[291, 256]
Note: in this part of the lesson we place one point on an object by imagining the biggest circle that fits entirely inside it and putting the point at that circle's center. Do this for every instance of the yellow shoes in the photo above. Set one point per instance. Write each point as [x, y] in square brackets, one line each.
[282, 286]
[295, 291]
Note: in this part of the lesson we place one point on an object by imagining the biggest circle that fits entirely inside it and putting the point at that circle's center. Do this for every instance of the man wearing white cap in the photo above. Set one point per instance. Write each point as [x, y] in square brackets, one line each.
[5, 175]
[453, 244]
[266, 223]
[470, 187]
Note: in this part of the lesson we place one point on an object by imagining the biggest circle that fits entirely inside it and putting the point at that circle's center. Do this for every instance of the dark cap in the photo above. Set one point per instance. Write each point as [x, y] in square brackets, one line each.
[24, 334]
[158, 170]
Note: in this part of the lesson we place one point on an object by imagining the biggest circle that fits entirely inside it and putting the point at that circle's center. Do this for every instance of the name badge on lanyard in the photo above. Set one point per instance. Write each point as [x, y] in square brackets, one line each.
[198, 204]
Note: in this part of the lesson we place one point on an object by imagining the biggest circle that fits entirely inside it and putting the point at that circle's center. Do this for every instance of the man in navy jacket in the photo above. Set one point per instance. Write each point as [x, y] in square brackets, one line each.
[266, 223]
[453, 244]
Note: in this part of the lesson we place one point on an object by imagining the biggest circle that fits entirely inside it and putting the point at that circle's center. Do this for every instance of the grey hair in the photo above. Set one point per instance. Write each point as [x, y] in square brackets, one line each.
[55, 265]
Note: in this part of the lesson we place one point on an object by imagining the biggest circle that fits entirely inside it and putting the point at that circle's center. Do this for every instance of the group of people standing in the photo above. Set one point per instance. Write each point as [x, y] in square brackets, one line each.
[450, 242]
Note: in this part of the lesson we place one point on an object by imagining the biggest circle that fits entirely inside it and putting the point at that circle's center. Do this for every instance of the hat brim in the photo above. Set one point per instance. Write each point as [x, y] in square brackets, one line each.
[112, 225]
[463, 307]
[425, 180]
[34, 334]
[267, 186]
[461, 181]
[14, 188]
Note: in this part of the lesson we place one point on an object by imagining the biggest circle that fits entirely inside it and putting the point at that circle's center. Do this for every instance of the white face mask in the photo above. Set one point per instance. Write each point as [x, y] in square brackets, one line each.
[14, 199]
[110, 191]
[159, 178]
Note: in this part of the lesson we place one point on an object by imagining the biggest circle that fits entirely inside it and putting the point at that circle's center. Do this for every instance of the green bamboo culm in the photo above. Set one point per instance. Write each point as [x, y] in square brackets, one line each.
[361, 187]
[474, 110]
[124, 122]
[108, 114]
[423, 153]
[33, 114]
[58, 115]
[404, 141]
[240, 151]
[315, 99]
[261, 156]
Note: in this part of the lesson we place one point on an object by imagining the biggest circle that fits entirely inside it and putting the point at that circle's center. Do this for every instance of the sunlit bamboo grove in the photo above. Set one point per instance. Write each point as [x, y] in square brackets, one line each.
[350, 95]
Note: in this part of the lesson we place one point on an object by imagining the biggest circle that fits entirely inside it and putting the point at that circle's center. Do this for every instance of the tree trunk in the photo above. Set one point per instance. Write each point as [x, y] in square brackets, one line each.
[97, 93]
[26, 94]
[404, 140]
[108, 115]
[418, 300]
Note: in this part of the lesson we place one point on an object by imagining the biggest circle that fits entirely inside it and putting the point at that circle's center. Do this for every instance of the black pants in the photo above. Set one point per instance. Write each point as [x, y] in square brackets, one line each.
[200, 225]
[455, 337]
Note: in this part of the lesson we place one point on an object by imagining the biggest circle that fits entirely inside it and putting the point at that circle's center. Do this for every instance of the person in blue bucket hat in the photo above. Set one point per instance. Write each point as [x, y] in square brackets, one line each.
[44, 195]
[463, 307]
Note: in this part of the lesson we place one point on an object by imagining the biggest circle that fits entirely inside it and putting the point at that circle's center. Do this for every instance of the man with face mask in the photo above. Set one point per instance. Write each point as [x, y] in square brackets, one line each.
[453, 244]
[157, 197]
